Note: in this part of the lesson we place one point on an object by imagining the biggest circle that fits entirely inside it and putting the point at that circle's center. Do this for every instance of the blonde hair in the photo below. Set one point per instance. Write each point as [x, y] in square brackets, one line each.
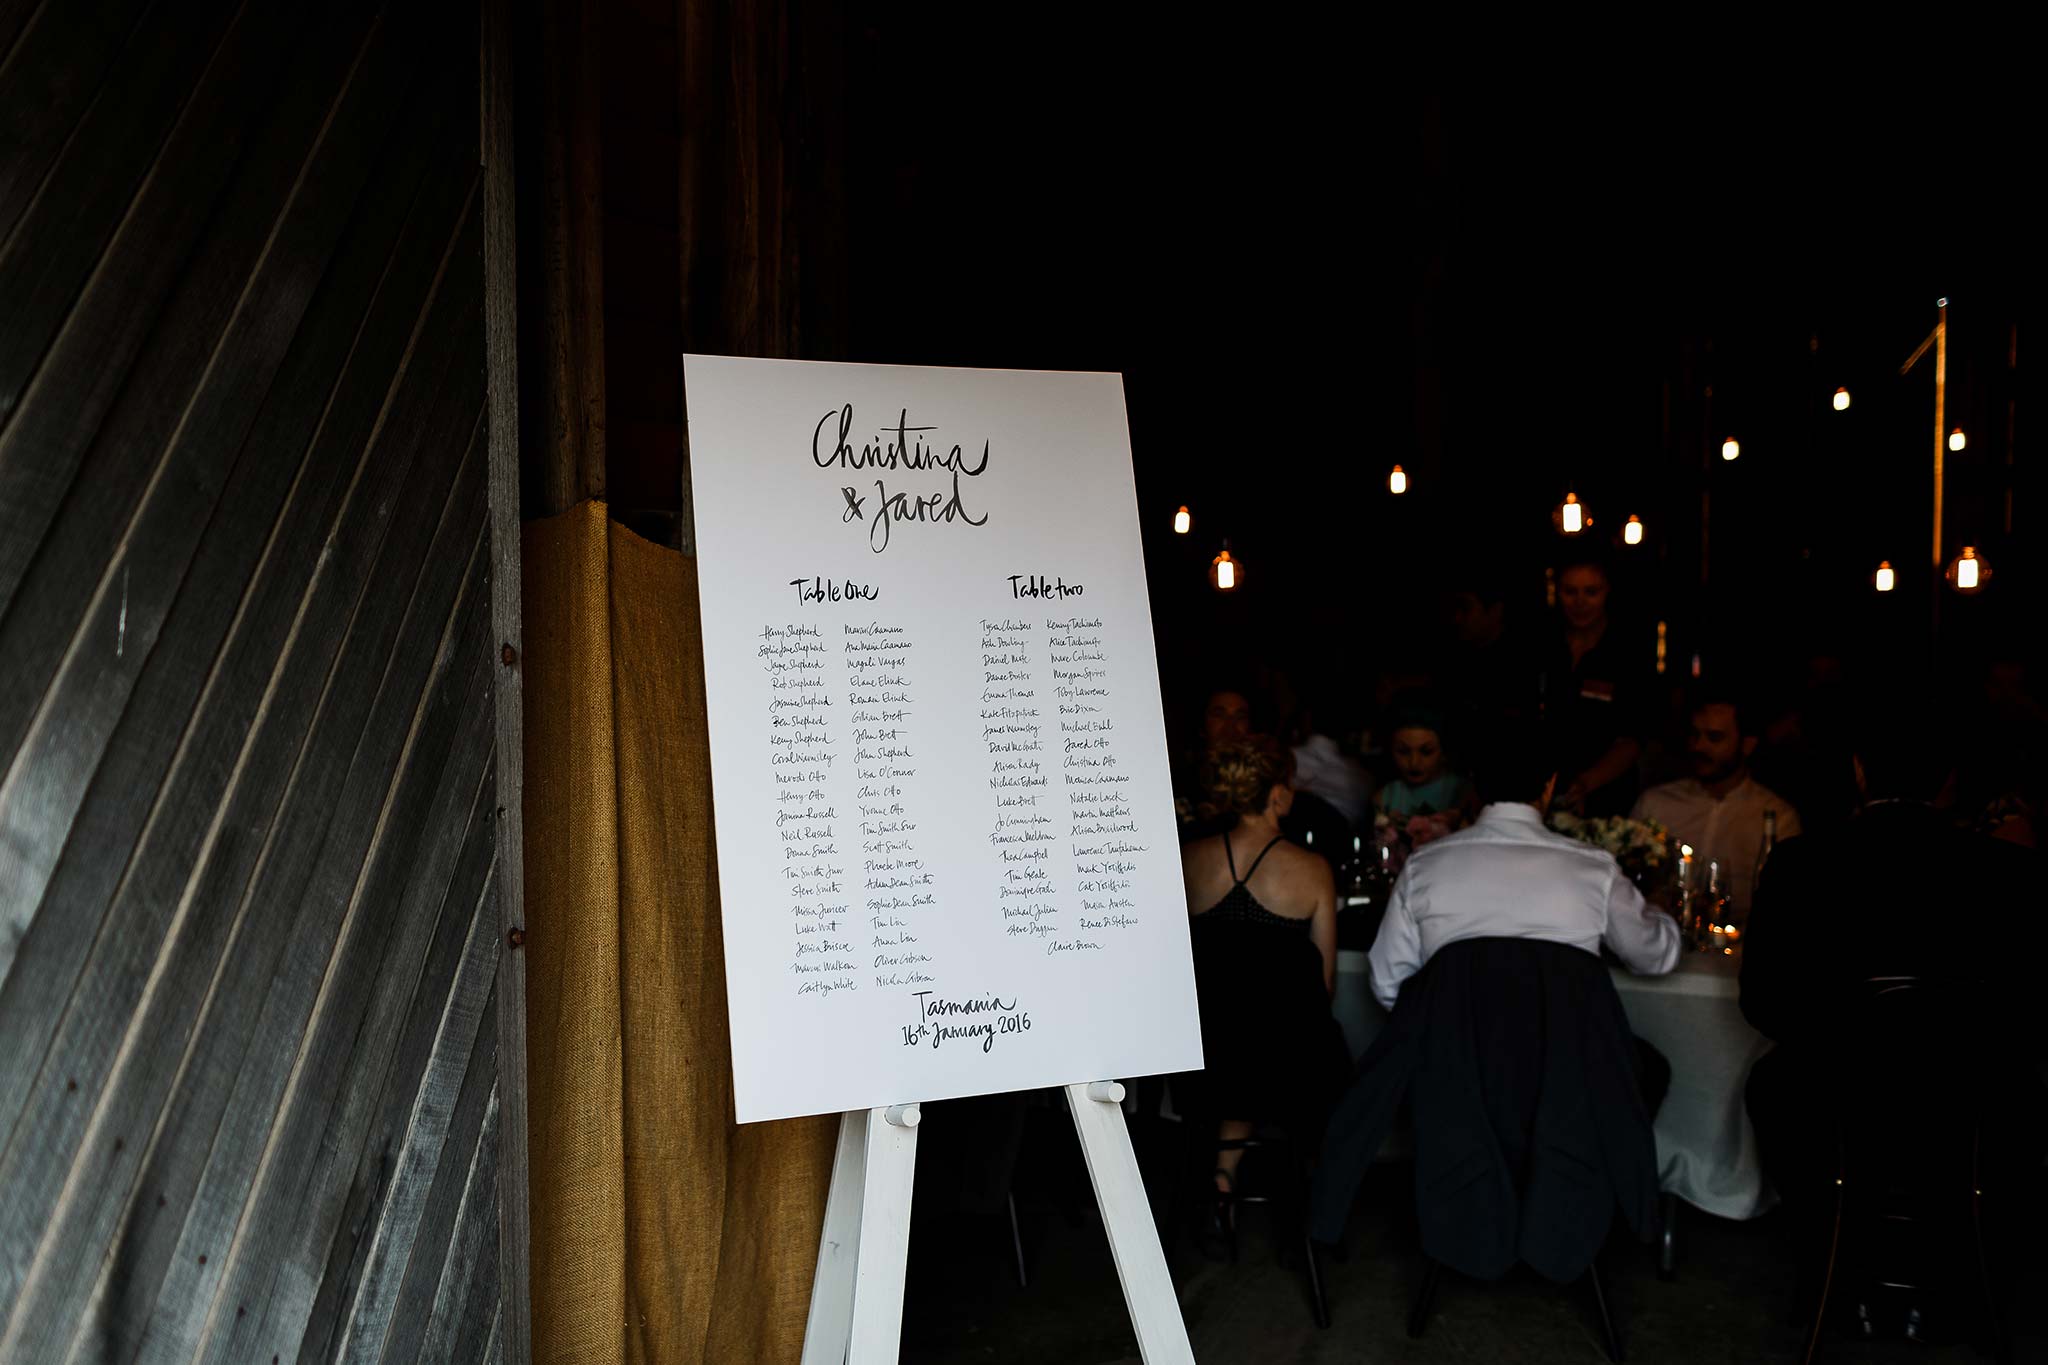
[1238, 778]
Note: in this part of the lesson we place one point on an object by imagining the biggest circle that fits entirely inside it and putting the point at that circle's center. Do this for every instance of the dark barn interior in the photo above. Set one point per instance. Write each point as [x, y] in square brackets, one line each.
[318, 320]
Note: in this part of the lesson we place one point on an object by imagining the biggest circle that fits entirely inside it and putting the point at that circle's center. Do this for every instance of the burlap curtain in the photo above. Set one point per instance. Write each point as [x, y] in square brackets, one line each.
[661, 1231]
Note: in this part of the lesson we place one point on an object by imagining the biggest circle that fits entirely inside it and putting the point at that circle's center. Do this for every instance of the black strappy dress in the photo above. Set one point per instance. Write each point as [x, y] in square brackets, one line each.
[1271, 1051]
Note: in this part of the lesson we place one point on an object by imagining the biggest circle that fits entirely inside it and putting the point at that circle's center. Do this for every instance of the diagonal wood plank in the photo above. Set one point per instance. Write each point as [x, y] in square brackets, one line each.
[329, 536]
[159, 463]
[437, 1278]
[194, 606]
[316, 1255]
[466, 1295]
[352, 1039]
[156, 300]
[49, 79]
[463, 954]
[282, 932]
[313, 975]
[317, 698]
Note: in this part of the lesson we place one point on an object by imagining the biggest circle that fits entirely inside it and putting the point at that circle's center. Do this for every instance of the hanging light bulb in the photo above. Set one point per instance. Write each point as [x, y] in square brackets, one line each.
[1632, 533]
[1956, 439]
[1884, 580]
[1397, 480]
[1570, 516]
[1181, 521]
[1224, 571]
[1841, 400]
[1969, 571]
[1730, 448]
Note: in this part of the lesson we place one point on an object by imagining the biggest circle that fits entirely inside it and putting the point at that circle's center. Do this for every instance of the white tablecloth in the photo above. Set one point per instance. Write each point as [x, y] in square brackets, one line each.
[1358, 1014]
[1706, 1150]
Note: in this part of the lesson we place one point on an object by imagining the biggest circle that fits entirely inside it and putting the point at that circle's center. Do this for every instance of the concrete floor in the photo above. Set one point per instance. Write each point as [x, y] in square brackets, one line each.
[1731, 1302]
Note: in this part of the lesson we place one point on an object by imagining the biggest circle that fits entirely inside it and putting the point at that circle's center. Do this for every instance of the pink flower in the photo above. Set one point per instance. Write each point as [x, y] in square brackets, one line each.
[1423, 828]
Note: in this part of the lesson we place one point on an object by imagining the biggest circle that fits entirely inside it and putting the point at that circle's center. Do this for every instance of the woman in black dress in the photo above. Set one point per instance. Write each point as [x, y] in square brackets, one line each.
[1265, 938]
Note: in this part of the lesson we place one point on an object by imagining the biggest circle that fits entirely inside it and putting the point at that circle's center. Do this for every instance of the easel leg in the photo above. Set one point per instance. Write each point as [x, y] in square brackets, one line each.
[1127, 1217]
[830, 1324]
[856, 1313]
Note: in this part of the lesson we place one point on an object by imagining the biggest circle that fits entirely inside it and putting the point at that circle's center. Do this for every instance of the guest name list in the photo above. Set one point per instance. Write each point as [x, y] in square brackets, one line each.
[947, 855]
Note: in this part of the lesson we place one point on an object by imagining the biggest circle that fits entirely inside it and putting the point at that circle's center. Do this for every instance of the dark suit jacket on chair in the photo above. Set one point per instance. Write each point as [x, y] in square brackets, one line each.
[1530, 1128]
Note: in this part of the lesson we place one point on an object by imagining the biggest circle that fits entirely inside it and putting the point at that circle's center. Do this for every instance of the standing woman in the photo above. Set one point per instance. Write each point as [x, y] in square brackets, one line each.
[1264, 929]
[1591, 696]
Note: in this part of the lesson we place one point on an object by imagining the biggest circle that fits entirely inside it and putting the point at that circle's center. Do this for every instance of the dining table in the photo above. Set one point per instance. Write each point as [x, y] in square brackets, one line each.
[1706, 1148]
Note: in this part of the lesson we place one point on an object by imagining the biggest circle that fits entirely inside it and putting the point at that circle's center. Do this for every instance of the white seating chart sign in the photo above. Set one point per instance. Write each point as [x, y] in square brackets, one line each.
[947, 851]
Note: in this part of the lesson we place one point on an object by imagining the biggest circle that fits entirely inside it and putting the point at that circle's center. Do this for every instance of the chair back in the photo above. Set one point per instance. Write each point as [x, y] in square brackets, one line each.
[1915, 1072]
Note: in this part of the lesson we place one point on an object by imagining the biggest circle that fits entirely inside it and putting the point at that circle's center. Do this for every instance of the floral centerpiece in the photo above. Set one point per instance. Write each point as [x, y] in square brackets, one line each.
[1401, 835]
[1642, 847]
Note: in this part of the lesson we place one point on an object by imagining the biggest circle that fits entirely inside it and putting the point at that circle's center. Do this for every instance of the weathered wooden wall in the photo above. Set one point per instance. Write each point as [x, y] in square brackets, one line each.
[249, 927]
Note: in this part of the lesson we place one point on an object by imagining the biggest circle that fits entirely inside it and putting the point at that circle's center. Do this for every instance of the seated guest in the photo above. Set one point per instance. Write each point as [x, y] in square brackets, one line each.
[1226, 718]
[1720, 809]
[1487, 677]
[1424, 781]
[1323, 770]
[1265, 937]
[1532, 1101]
[1897, 892]
[1511, 876]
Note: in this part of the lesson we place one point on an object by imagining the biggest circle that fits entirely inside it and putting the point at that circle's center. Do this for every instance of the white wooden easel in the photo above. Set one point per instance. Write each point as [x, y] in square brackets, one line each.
[857, 1296]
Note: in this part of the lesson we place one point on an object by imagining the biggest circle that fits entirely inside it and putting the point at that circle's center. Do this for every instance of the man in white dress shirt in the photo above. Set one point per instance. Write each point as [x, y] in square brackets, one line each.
[1510, 876]
[1719, 810]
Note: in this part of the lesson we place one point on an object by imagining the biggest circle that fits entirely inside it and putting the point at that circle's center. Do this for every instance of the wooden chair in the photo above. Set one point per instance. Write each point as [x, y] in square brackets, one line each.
[1288, 1199]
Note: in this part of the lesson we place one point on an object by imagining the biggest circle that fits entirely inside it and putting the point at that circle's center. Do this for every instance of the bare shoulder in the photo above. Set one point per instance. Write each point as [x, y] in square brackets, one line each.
[1299, 862]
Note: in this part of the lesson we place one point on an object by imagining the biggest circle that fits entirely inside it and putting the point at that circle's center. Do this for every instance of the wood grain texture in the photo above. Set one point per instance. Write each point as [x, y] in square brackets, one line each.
[184, 247]
[59, 69]
[250, 881]
[571, 318]
[511, 1327]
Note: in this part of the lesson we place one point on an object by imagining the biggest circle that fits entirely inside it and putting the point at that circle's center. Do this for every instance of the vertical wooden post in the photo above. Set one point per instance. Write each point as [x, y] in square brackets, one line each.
[501, 381]
[572, 253]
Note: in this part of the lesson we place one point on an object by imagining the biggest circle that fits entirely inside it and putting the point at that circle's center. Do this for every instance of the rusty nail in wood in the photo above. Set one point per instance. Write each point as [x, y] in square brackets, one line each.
[509, 655]
[202, 1260]
[70, 1086]
[240, 1309]
[516, 937]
